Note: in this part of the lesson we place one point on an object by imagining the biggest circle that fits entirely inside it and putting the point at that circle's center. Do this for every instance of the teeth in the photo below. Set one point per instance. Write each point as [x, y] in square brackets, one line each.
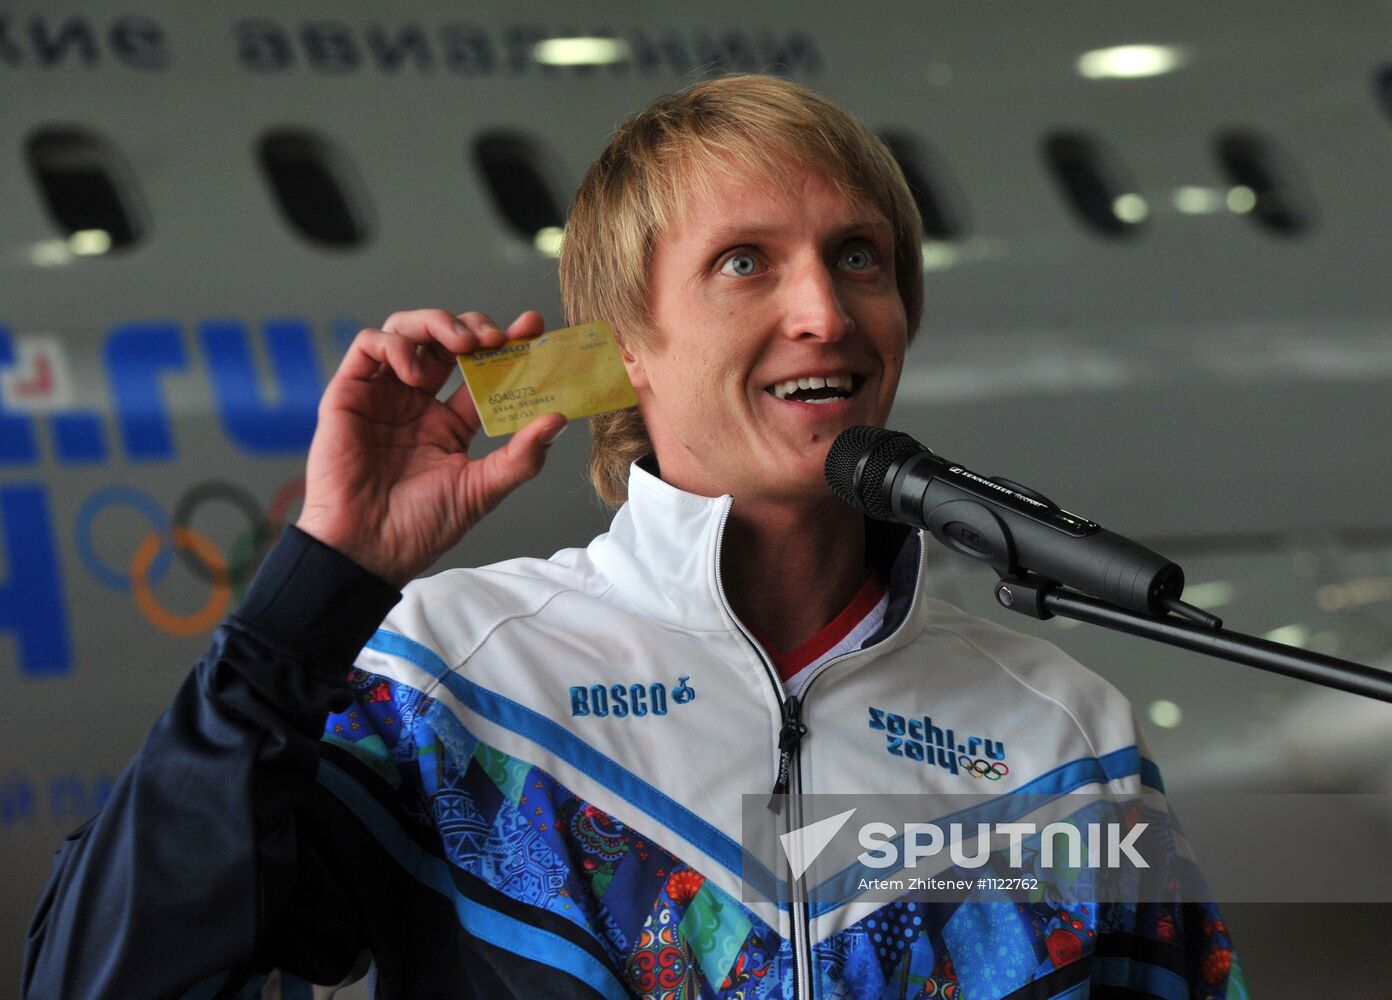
[785, 389]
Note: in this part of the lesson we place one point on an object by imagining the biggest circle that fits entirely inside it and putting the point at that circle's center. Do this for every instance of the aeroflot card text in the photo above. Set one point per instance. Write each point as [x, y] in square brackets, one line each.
[576, 371]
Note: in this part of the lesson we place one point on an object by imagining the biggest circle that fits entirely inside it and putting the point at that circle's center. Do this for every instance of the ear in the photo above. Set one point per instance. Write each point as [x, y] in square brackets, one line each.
[633, 362]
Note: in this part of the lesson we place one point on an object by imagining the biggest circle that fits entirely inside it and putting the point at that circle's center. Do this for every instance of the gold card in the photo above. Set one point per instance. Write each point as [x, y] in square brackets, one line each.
[576, 371]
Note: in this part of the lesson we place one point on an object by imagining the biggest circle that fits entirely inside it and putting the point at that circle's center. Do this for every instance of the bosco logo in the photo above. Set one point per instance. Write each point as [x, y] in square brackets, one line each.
[683, 692]
[623, 700]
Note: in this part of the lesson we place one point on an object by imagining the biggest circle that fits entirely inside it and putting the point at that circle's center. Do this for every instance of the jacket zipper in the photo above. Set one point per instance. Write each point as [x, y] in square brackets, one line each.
[790, 736]
[789, 776]
[789, 740]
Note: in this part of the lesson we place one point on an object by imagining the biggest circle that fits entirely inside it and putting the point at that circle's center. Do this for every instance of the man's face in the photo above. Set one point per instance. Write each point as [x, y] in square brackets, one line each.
[759, 288]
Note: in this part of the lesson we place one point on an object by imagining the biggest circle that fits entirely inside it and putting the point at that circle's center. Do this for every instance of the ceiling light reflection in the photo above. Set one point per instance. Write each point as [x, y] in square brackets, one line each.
[938, 254]
[1131, 208]
[1165, 714]
[548, 240]
[1353, 593]
[89, 242]
[1210, 595]
[1192, 200]
[582, 51]
[1241, 199]
[50, 253]
[1130, 61]
[1290, 635]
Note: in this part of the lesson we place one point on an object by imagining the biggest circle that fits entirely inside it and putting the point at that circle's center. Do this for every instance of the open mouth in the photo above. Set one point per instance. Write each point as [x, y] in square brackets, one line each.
[817, 388]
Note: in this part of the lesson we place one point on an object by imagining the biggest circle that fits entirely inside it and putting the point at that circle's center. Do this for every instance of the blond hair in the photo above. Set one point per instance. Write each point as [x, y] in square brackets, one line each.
[675, 149]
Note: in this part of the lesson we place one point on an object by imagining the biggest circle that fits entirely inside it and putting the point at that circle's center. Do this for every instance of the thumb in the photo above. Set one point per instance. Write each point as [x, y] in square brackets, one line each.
[522, 457]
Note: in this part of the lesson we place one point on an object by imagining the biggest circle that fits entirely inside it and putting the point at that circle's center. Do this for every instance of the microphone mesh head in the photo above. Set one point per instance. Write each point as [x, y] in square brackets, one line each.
[889, 450]
[884, 448]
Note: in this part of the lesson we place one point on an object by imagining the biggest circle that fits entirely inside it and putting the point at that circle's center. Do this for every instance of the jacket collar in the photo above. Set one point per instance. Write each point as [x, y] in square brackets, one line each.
[662, 554]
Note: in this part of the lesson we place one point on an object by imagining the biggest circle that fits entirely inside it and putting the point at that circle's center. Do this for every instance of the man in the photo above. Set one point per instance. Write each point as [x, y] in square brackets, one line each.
[530, 782]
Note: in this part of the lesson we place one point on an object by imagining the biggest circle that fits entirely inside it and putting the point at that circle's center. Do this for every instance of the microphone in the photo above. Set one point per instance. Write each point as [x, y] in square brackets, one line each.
[889, 476]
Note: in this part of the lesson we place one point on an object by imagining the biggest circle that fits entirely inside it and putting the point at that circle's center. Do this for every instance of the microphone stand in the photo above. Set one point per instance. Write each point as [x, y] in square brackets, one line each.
[1038, 597]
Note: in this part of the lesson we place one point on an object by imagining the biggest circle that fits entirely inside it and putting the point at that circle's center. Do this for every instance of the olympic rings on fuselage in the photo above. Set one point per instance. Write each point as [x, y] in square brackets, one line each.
[211, 491]
[118, 496]
[185, 540]
[229, 574]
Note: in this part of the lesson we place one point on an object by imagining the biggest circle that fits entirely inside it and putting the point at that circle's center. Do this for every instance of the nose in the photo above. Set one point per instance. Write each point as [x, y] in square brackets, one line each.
[814, 309]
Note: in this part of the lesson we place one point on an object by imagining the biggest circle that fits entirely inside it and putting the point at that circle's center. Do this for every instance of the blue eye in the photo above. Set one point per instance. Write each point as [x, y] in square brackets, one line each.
[858, 258]
[741, 265]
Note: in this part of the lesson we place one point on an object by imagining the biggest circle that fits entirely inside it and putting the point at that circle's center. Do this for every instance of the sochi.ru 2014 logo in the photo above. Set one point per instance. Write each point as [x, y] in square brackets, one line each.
[917, 739]
[624, 700]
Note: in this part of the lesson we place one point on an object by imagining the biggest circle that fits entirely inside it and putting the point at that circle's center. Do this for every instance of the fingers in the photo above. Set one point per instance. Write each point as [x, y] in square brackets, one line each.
[376, 351]
[460, 334]
[440, 335]
[419, 345]
[481, 325]
[504, 470]
[528, 324]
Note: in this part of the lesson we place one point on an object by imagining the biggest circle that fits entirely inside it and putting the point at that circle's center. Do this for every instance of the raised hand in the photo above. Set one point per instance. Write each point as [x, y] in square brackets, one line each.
[389, 481]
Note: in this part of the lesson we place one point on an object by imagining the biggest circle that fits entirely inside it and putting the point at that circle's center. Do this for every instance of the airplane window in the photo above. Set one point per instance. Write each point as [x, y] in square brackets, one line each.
[1382, 88]
[1095, 183]
[941, 220]
[520, 177]
[89, 190]
[1264, 183]
[314, 187]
